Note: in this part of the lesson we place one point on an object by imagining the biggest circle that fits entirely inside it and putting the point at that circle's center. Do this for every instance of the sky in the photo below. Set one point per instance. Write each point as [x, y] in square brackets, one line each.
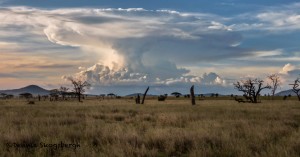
[124, 46]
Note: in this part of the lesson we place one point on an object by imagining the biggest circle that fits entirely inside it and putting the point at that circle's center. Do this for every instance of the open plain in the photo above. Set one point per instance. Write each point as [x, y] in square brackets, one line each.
[119, 127]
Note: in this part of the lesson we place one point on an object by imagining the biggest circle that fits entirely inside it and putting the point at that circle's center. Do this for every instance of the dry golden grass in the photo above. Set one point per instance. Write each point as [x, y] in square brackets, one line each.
[171, 128]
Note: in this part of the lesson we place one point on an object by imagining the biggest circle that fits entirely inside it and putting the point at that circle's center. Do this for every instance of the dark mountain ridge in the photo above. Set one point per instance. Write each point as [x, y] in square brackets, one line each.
[33, 89]
[286, 92]
[37, 90]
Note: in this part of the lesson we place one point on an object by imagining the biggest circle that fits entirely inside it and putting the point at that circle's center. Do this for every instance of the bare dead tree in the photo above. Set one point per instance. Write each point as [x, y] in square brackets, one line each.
[144, 96]
[251, 88]
[138, 99]
[192, 95]
[275, 80]
[296, 88]
[79, 86]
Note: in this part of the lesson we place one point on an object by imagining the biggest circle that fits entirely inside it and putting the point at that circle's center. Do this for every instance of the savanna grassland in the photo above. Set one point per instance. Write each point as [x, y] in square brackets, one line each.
[118, 127]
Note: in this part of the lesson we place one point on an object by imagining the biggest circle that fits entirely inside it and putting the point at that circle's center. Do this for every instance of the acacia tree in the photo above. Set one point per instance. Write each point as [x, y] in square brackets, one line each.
[296, 88]
[251, 88]
[275, 79]
[176, 94]
[79, 86]
[27, 96]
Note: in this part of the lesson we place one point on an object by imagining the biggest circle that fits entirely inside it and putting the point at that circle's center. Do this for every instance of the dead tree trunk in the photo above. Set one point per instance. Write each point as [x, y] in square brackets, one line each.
[79, 96]
[192, 95]
[144, 96]
[138, 99]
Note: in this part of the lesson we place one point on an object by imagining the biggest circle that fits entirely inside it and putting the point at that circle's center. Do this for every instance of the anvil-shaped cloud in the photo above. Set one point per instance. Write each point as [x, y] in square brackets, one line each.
[144, 46]
[133, 44]
[136, 46]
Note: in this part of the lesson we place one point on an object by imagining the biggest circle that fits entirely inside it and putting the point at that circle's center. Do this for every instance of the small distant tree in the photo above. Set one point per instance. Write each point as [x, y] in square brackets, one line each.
[63, 91]
[111, 95]
[6, 96]
[275, 83]
[296, 88]
[9, 96]
[162, 97]
[251, 88]
[26, 95]
[79, 86]
[3, 95]
[54, 94]
[176, 94]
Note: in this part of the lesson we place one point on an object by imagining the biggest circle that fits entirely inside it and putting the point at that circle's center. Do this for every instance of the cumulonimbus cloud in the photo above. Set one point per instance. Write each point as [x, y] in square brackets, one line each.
[137, 45]
[132, 44]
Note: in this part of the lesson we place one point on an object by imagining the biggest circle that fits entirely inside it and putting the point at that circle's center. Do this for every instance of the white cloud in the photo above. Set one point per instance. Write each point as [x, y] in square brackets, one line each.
[132, 46]
[278, 19]
[287, 68]
[219, 26]
[131, 33]
[211, 79]
[284, 20]
[268, 53]
[264, 55]
[101, 75]
[138, 46]
[288, 73]
[104, 75]
[81, 68]
[8, 46]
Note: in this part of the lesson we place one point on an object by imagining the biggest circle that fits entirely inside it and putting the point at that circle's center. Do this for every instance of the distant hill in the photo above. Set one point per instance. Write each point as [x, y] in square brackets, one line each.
[33, 89]
[286, 92]
[141, 94]
[209, 94]
[134, 94]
